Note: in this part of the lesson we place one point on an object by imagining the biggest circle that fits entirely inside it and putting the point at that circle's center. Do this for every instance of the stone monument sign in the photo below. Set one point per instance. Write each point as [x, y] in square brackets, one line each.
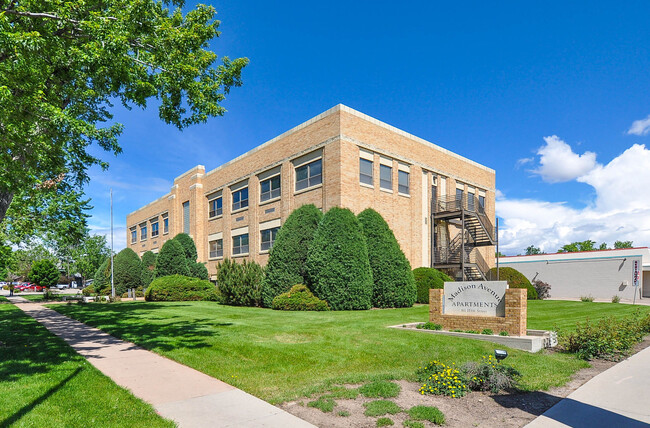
[477, 298]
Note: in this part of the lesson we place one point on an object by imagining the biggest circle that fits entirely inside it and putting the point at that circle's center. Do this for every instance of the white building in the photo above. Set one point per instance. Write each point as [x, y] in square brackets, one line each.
[601, 274]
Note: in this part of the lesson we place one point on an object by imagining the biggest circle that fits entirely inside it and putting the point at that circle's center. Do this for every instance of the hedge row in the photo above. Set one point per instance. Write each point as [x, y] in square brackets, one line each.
[174, 288]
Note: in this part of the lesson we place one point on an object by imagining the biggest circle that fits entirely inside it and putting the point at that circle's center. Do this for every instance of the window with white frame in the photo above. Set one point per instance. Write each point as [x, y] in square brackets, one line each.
[366, 175]
[154, 228]
[186, 217]
[134, 235]
[143, 231]
[240, 244]
[216, 248]
[270, 188]
[403, 179]
[481, 199]
[470, 198]
[165, 224]
[215, 207]
[309, 175]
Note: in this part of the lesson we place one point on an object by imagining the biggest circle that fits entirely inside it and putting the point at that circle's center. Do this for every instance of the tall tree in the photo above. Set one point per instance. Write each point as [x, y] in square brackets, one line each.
[89, 255]
[64, 64]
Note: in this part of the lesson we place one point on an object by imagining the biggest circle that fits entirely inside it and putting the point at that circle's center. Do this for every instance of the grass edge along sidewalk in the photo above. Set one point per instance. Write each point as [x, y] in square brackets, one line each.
[281, 356]
[44, 382]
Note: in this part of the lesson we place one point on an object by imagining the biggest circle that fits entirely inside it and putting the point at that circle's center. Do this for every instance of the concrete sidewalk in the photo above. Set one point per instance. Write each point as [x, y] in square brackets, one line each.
[617, 397]
[177, 392]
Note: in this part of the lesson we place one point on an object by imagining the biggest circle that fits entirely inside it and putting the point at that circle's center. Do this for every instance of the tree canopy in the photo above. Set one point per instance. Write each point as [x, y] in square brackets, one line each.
[532, 250]
[63, 65]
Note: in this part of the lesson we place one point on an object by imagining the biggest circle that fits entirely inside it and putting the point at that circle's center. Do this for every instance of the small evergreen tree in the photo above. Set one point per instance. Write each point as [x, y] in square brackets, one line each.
[394, 285]
[102, 278]
[427, 279]
[286, 265]
[127, 271]
[198, 270]
[148, 266]
[189, 248]
[44, 273]
[240, 283]
[171, 260]
[337, 264]
[515, 279]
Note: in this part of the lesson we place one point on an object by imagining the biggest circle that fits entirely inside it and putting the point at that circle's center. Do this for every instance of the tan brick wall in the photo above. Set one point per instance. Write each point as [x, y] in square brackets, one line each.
[339, 133]
[514, 321]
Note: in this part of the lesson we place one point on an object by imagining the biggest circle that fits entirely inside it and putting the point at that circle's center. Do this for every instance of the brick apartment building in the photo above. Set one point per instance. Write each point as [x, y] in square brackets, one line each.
[339, 158]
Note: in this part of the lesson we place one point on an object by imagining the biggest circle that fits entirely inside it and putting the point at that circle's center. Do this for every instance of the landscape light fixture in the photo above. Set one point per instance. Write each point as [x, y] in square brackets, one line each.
[500, 354]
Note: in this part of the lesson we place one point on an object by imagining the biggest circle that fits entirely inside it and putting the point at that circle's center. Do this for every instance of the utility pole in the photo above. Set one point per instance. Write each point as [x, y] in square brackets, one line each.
[112, 252]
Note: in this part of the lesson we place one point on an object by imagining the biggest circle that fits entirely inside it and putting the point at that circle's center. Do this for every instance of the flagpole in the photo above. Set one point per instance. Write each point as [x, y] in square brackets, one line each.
[112, 279]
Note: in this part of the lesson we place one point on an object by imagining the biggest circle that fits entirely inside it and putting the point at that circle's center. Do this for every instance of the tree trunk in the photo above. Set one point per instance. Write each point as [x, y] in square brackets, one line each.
[5, 200]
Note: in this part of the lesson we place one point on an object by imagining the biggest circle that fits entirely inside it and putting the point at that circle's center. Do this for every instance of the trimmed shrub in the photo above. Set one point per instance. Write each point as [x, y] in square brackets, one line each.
[171, 260]
[337, 263]
[198, 270]
[148, 266]
[514, 278]
[102, 278]
[427, 279]
[176, 288]
[189, 248]
[44, 273]
[542, 288]
[240, 283]
[127, 272]
[299, 298]
[286, 265]
[394, 285]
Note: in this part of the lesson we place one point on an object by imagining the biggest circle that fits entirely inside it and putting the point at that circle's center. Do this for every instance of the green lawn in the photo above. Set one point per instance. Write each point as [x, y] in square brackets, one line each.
[45, 383]
[279, 356]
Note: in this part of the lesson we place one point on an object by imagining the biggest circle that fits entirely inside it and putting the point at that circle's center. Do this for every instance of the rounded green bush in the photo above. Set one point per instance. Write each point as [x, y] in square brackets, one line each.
[299, 298]
[127, 271]
[394, 285]
[44, 273]
[337, 262]
[189, 248]
[198, 270]
[171, 260]
[427, 279]
[148, 265]
[102, 278]
[176, 288]
[240, 283]
[286, 265]
[515, 279]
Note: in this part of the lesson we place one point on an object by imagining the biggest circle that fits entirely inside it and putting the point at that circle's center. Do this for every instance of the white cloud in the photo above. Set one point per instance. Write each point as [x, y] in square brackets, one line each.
[524, 161]
[640, 127]
[620, 209]
[558, 162]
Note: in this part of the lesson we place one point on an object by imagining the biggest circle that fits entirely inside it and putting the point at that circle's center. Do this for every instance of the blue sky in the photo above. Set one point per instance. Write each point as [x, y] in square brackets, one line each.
[545, 93]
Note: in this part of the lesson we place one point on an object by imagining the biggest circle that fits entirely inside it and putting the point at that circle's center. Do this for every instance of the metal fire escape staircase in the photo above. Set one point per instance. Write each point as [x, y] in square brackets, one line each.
[460, 254]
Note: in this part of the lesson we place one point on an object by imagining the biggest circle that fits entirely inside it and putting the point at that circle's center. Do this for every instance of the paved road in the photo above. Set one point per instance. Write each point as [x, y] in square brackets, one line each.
[618, 397]
[180, 393]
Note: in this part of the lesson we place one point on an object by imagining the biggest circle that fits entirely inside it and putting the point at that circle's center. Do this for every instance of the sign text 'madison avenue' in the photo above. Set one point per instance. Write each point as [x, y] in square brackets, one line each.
[476, 298]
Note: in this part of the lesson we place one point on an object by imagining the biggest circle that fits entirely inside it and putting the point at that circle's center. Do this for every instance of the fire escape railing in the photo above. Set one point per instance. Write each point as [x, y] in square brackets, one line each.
[470, 204]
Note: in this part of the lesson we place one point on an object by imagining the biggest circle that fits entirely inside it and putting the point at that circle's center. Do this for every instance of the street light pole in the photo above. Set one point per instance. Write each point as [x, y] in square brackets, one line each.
[112, 279]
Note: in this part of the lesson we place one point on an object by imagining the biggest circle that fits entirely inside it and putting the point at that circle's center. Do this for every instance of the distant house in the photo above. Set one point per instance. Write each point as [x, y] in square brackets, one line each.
[601, 274]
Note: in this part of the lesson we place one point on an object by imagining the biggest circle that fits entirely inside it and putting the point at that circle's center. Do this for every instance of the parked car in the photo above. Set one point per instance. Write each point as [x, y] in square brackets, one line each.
[20, 287]
[34, 287]
[62, 286]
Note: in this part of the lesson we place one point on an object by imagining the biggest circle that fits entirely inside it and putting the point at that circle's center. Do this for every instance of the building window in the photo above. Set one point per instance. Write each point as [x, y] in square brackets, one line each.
[481, 202]
[270, 188]
[134, 235]
[386, 177]
[216, 207]
[216, 248]
[403, 182]
[365, 171]
[240, 199]
[268, 238]
[240, 244]
[186, 217]
[459, 198]
[470, 201]
[154, 229]
[143, 233]
[309, 175]
[165, 224]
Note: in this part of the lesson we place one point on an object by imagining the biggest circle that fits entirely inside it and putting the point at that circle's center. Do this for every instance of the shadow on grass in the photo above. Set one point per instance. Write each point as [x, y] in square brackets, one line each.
[26, 409]
[138, 322]
[26, 347]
